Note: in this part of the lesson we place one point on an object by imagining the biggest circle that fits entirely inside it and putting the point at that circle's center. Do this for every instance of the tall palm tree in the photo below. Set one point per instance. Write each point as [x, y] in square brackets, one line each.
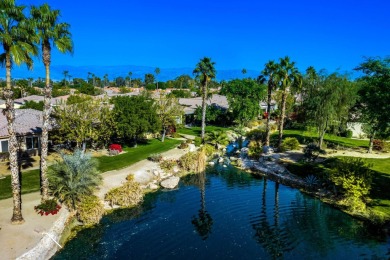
[17, 37]
[204, 71]
[130, 74]
[270, 72]
[157, 71]
[50, 33]
[288, 76]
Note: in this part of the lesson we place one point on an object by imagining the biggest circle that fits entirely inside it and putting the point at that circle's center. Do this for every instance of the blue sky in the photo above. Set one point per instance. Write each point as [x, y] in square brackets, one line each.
[235, 34]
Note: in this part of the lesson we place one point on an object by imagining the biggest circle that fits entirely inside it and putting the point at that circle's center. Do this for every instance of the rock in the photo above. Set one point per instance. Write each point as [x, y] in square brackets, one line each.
[224, 166]
[211, 163]
[152, 186]
[191, 148]
[220, 160]
[232, 158]
[276, 156]
[176, 169]
[267, 149]
[156, 173]
[170, 183]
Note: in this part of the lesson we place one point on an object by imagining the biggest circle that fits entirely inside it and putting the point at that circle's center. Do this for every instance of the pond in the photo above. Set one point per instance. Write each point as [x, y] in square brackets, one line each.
[228, 213]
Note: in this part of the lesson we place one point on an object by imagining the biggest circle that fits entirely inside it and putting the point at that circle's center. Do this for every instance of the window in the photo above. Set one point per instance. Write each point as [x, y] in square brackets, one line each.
[32, 142]
[4, 146]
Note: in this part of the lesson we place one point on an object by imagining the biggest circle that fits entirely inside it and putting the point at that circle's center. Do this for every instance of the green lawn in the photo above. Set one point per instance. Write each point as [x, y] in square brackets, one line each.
[30, 179]
[30, 183]
[133, 155]
[197, 130]
[305, 137]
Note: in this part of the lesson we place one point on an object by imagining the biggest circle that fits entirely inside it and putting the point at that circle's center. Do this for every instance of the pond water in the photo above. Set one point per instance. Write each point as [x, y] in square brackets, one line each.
[227, 213]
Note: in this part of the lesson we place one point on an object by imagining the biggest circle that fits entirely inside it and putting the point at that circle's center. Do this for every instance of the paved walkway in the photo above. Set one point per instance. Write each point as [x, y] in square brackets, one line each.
[18, 239]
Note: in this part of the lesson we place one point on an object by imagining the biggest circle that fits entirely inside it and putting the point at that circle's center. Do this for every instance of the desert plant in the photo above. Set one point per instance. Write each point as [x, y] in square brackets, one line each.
[312, 151]
[289, 143]
[73, 177]
[155, 157]
[128, 195]
[193, 161]
[168, 165]
[209, 149]
[311, 181]
[90, 210]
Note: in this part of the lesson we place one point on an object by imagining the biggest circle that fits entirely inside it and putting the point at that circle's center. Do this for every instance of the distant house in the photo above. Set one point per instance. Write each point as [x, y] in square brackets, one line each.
[28, 127]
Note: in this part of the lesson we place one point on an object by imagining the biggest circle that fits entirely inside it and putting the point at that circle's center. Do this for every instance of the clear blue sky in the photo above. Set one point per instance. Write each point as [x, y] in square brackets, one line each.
[235, 34]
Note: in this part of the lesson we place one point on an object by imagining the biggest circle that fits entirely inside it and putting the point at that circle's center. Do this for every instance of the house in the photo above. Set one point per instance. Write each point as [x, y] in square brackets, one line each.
[28, 127]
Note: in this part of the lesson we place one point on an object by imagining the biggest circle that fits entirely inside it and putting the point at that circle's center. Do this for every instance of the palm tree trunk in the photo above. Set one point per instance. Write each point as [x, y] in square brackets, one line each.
[45, 127]
[267, 126]
[371, 143]
[204, 95]
[17, 217]
[282, 116]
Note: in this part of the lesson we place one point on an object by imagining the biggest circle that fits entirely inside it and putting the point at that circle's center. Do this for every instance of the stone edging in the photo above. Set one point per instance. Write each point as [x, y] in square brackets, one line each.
[46, 247]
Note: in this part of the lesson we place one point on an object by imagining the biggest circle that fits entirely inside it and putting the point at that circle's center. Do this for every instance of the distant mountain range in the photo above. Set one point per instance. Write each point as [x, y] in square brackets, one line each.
[118, 71]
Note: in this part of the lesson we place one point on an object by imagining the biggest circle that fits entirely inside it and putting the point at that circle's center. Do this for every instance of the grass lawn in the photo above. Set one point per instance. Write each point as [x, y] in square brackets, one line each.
[307, 137]
[30, 183]
[133, 155]
[197, 130]
[30, 179]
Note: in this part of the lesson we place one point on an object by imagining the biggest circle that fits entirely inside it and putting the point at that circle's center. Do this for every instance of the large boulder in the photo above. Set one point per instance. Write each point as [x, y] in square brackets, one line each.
[191, 147]
[267, 150]
[170, 183]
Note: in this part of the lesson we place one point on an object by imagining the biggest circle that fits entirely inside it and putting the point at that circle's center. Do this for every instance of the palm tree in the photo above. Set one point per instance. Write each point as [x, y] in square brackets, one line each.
[243, 71]
[50, 33]
[105, 77]
[217, 138]
[130, 74]
[66, 74]
[204, 71]
[74, 176]
[288, 76]
[157, 71]
[17, 37]
[270, 72]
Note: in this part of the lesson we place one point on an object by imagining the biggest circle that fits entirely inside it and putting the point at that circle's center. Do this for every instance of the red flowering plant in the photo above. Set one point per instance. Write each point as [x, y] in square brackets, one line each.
[116, 147]
[48, 207]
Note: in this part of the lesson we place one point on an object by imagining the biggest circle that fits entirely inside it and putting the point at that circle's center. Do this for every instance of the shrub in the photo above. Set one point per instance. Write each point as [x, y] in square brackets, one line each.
[380, 145]
[352, 177]
[183, 145]
[168, 165]
[116, 147]
[254, 149]
[48, 207]
[193, 161]
[130, 194]
[189, 141]
[198, 141]
[312, 151]
[348, 133]
[256, 134]
[175, 135]
[90, 210]
[311, 181]
[289, 143]
[209, 149]
[113, 152]
[155, 157]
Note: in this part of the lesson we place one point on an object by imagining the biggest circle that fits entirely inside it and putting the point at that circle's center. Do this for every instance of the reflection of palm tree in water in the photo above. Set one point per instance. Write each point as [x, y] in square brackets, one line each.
[268, 235]
[203, 222]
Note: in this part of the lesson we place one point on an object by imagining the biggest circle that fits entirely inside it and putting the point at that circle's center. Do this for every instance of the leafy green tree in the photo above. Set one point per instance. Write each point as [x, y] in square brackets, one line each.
[149, 79]
[74, 177]
[120, 82]
[289, 77]
[135, 116]
[374, 97]
[183, 81]
[204, 72]
[270, 71]
[50, 33]
[84, 120]
[17, 38]
[244, 98]
[169, 111]
[33, 105]
[328, 101]
[179, 93]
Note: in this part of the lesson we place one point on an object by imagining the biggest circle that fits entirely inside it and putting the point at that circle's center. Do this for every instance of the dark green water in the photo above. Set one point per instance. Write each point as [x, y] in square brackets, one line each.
[228, 214]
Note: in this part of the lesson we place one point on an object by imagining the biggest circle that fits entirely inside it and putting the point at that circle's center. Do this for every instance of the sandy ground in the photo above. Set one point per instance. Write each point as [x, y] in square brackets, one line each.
[18, 239]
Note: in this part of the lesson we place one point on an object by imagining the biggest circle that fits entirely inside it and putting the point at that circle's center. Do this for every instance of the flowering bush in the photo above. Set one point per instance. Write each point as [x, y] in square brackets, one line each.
[48, 207]
[116, 147]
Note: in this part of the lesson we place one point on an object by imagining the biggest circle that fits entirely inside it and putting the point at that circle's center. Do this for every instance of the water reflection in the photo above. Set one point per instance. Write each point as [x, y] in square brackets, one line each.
[203, 222]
